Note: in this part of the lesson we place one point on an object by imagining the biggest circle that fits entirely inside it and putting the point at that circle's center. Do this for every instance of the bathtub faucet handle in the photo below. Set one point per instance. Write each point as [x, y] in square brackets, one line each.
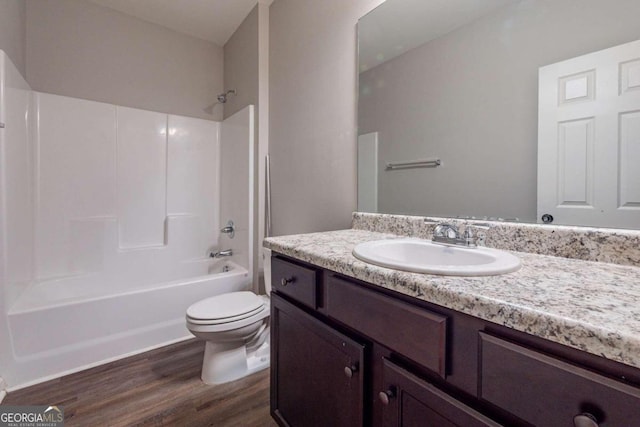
[229, 229]
[220, 254]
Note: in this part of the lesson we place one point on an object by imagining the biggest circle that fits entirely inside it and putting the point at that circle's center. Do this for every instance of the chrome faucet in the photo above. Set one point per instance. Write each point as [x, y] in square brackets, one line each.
[448, 234]
[220, 254]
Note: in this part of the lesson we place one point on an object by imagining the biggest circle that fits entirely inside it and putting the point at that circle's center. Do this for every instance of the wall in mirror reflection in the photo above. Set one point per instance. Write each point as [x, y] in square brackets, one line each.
[470, 98]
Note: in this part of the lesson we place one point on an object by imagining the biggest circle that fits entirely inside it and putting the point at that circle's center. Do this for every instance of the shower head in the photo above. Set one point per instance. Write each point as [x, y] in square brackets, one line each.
[221, 99]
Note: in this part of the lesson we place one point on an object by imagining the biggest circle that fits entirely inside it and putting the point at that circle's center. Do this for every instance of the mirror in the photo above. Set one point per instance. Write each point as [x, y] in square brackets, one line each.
[501, 109]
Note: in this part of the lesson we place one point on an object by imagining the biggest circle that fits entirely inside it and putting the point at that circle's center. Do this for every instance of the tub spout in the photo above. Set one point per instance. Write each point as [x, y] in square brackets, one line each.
[220, 254]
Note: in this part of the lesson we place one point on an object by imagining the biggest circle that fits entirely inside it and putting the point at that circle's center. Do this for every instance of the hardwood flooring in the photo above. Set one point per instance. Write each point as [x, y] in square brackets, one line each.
[158, 388]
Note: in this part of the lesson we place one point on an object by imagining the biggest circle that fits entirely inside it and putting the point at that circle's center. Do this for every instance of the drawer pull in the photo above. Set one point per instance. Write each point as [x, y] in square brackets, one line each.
[287, 281]
[384, 396]
[585, 420]
[350, 370]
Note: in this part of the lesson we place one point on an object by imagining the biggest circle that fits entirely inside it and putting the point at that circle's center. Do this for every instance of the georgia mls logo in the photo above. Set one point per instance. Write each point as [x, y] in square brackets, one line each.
[54, 408]
[31, 416]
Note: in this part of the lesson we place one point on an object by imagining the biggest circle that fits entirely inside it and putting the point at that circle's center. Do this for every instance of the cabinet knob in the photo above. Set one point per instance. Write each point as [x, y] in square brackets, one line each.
[585, 420]
[350, 370]
[384, 396]
[287, 281]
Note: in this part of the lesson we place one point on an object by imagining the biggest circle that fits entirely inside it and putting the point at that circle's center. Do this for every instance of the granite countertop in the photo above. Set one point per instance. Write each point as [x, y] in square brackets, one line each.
[591, 306]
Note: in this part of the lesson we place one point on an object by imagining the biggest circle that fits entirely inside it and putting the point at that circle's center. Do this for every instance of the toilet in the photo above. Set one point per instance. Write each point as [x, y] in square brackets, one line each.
[235, 327]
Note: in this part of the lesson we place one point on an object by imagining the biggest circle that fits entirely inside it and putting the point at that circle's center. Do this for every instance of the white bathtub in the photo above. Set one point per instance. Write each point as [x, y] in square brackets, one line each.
[69, 324]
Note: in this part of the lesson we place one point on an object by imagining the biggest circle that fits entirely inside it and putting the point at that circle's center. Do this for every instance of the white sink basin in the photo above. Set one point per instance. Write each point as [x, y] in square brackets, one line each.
[423, 256]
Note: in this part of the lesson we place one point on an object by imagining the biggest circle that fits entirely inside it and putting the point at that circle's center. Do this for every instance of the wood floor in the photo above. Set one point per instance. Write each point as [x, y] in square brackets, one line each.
[157, 388]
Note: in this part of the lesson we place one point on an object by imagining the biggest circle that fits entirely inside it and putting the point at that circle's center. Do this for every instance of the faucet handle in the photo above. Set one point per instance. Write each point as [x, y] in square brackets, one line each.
[229, 229]
[470, 236]
[447, 230]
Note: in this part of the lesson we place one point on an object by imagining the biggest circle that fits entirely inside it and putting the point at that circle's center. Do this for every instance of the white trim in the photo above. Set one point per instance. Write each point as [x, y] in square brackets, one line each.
[95, 364]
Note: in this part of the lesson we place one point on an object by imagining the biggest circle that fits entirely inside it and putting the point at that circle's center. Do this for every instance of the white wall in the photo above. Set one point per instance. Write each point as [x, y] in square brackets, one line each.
[17, 166]
[127, 195]
[471, 98]
[312, 91]
[236, 185]
[16, 219]
[13, 32]
[79, 49]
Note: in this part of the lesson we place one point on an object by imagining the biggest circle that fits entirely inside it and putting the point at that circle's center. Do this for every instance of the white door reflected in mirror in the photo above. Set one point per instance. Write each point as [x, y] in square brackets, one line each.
[589, 139]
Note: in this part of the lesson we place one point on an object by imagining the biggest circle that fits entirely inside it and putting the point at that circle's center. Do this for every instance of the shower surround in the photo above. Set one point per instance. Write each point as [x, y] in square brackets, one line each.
[108, 216]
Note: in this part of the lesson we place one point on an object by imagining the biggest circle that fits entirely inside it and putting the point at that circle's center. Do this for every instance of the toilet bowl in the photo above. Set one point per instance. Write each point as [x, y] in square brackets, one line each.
[235, 328]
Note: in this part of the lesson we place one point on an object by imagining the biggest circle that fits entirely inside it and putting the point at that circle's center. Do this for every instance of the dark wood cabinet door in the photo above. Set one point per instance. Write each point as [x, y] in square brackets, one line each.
[410, 401]
[316, 372]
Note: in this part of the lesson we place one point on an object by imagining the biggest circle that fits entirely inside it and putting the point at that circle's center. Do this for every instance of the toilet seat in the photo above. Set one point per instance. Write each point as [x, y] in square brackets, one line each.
[226, 307]
[224, 320]
[227, 312]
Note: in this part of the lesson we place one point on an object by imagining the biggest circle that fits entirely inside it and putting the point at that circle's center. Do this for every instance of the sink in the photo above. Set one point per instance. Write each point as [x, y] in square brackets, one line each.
[423, 256]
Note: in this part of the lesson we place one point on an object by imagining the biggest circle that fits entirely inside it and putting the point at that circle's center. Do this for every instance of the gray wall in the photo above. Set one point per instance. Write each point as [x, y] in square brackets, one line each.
[241, 72]
[313, 112]
[471, 98]
[13, 32]
[79, 49]
[241, 65]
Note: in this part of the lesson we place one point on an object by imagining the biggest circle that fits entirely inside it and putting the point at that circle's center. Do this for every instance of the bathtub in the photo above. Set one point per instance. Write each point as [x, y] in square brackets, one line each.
[69, 324]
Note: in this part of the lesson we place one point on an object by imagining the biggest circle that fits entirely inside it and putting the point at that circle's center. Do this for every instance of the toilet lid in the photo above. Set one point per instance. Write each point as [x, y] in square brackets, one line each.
[225, 306]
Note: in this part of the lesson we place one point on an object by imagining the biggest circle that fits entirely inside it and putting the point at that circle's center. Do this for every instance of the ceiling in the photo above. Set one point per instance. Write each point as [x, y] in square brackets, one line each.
[398, 26]
[212, 20]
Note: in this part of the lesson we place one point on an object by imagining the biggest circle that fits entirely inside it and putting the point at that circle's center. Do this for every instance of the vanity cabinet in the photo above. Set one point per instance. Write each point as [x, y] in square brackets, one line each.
[348, 353]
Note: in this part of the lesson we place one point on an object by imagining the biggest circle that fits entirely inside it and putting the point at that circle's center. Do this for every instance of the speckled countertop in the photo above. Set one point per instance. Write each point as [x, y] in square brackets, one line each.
[592, 306]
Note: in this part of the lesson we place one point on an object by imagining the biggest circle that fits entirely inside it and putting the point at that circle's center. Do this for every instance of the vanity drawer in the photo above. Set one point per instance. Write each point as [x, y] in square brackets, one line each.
[546, 391]
[411, 331]
[295, 281]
